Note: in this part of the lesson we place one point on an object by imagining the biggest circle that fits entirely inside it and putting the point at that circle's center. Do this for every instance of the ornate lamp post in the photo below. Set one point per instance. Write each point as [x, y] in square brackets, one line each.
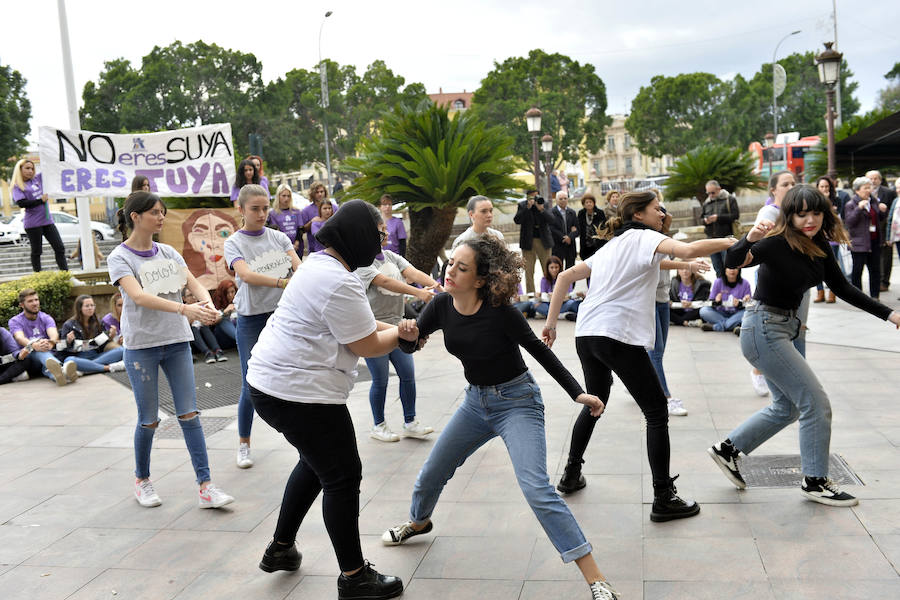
[829, 64]
[533, 121]
[547, 148]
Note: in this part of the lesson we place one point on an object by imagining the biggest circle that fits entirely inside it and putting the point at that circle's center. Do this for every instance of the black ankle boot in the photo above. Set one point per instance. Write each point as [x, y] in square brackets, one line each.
[667, 505]
[572, 479]
[369, 584]
[279, 557]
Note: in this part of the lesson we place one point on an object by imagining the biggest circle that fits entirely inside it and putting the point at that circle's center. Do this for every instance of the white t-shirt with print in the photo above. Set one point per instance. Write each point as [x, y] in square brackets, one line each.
[301, 355]
[620, 303]
[265, 252]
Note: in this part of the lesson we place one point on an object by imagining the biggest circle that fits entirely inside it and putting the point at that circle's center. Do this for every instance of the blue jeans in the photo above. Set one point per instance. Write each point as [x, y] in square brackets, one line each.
[406, 371]
[93, 361]
[38, 359]
[766, 342]
[721, 321]
[659, 347]
[567, 306]
[143, 367]
[513, 410]
[718, 262]
[248, 330]
[226, 333]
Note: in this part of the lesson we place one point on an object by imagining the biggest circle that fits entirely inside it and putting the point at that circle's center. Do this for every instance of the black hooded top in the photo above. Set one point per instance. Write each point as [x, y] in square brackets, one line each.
[353, 232]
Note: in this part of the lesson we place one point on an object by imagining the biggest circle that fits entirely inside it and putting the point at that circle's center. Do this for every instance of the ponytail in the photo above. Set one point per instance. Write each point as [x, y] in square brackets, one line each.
[137, 202]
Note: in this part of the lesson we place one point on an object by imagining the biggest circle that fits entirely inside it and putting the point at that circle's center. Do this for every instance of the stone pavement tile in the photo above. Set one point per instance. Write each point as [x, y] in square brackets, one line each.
[172, 550]
[44, 583]
[604, 489]
[702, 559]
[11, 506]
[884, 456]
[849, 557]
[708, 590]
[40, 482]
[714, 520]
[492, 484]
[490, 519]
[100, 458]
[398, 486]
[892, 434]
[61, 435]
[459, 589]
[18, 542]
[879, 516]
[618, 559]
[801, 520]
[890, 546]
[134, 584]
[477, 558]
[105, 482]
[709, 487]
[878, 484]
[66, 510]
[31, 456]
[244, 514]
[834, 585]
[89, 547]
[316, 587]
[622, 521]
[128, 514]
[764, 495]
[115, 437]
[258, 586]
[577, 590]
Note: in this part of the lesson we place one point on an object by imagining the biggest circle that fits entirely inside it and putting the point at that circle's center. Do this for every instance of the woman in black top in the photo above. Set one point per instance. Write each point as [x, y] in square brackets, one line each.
[589, 221]
[793, 255]
[484, 331]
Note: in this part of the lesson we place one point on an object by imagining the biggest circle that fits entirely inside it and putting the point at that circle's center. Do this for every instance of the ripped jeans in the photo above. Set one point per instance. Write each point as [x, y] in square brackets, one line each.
[143, 367]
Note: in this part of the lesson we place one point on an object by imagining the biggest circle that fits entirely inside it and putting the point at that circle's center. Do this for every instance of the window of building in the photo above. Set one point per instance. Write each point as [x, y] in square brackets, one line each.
[611, 165]
[628, 165]
[595, 165]
[627, 143]
[459, 105]
[610, 143]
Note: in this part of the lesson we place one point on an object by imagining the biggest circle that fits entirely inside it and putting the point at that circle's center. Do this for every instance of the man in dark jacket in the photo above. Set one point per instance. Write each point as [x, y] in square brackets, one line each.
[564, 228]
[720, 210]
[886, 196]
[534, 235]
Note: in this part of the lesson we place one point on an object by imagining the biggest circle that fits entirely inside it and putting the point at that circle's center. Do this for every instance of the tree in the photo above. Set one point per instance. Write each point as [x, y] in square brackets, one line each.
[731, 167]
[889, 97]
[434, 164]
[15, 112]
[571, 96]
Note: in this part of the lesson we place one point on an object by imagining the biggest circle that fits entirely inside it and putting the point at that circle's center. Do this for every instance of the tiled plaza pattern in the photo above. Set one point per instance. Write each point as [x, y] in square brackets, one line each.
[72, 530]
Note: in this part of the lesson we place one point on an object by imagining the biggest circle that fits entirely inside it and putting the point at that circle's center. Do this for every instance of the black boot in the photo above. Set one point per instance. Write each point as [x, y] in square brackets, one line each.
[368, 583]
[667, 505]
[279, 557]
[572, 479]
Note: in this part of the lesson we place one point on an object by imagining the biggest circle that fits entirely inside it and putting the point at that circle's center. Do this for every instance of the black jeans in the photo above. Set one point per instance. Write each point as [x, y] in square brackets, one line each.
[678, 316]
[9, 371]
[204, 340]
[329, 462]
[887, 264]
[600, 356]
[35, 238]
[872, 261]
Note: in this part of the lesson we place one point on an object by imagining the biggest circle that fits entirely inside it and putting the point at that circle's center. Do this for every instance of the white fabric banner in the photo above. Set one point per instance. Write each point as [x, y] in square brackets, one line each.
[198, 161]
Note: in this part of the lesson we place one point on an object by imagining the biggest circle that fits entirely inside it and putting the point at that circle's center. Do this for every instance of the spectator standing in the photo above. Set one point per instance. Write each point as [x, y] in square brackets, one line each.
[318, 194]
[827, 188]
[611, 210]
[396, 241]
[36, 330]
[864, 216]
[285, 218]
[884, 195]
[535, 239]
[720, 210]
[555, 187]
[246, 173]
[481, 214]
[564, 227]
[258, 163]
[28, 193]
[590, 219]
[325, 212]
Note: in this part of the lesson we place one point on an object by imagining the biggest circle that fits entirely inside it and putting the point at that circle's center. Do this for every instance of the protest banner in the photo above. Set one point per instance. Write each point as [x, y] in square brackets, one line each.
[198, 161]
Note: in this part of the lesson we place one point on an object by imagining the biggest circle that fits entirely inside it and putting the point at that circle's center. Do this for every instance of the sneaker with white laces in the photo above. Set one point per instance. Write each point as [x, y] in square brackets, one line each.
[826, 491]
[244, 461]
[676, 408]
[759, 383]
[213, 497]
[725, 455]
[415, 429]
[117, 366]
[601, 590]
[383, 433]
[71, 371]
[399, 534]
[145, 494]
[210, 358]
[56, 369]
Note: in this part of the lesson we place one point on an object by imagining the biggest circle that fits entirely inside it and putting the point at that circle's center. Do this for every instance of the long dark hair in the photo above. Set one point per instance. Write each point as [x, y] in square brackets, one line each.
[553, 260]
[498, 267]
[629, 204]
[737, 280]
[137, 184]
[137, 202]
[805, 198]
[239, 179]
[90, 326]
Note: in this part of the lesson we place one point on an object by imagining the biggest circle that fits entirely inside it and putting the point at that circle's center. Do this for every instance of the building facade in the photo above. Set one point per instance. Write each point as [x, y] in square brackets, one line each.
[619, 159]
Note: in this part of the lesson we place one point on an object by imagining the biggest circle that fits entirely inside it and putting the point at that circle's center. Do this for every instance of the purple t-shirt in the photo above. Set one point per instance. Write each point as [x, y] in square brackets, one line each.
[396, 232]
[109, 320]
[309, 213]
[287, 222]
[33, 330]
[685, 292]
[8, 344]
[314, 245]
[547, 286]
[738, 292]
[35, 216]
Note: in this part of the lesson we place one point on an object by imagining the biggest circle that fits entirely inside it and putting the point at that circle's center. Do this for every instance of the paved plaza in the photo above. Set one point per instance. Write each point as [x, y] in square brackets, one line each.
[72, 530]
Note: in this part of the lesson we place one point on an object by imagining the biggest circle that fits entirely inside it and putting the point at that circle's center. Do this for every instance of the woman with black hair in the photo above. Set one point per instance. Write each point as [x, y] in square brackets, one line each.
[86, 341]
[729, 294]
[826, 187]
[246, 173]
[792, 254]
[615, 328]
[484, 331]
[300, 374]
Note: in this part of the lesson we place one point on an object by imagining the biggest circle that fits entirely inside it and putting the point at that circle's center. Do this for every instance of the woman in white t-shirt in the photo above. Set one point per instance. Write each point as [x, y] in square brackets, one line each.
[300, 375]
[617, 325]
[263, 259]
[157, 334]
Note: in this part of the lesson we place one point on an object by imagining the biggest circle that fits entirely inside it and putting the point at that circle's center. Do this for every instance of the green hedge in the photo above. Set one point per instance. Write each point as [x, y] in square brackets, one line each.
[54, 288]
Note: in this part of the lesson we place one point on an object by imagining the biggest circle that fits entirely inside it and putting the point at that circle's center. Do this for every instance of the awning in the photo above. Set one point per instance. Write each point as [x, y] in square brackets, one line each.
[875, 147]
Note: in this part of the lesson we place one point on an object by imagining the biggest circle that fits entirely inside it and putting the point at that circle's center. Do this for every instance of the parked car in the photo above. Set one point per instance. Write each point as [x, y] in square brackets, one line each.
[67, 225]
[9, 234]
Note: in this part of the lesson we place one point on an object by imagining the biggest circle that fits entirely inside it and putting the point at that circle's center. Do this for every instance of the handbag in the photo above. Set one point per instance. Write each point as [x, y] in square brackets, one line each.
[737, 229]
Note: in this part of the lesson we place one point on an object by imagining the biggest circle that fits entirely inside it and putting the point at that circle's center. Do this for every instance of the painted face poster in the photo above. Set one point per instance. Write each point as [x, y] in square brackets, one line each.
[198, 161]
[199, 235]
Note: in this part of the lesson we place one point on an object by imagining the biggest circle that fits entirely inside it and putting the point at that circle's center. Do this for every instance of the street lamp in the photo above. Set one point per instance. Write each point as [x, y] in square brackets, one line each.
[774, 96]
[533, 121]
[547, 148]
[829, 64]
[323, 79]
[770, 145]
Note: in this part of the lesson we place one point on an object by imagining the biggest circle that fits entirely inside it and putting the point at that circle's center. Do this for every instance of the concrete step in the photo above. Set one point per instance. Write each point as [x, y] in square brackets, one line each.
[15, 259]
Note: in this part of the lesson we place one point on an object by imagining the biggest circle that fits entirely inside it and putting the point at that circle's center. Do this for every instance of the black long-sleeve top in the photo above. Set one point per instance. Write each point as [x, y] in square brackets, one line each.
[785, 274]
[488, 341]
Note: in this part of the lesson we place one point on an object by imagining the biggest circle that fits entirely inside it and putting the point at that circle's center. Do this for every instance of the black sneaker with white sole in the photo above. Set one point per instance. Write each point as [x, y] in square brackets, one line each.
[825, 491]
[399, 534]
[725, 456]
[279, 557]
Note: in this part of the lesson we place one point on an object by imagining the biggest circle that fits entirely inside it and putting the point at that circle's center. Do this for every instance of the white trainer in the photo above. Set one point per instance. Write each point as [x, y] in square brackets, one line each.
[383, 433]
[244, 461]
[117, 366]
[21, 377]
[416, 430]
[213, 497]
[676, 408]
[56, 369]
[145, 494]
[71, 370]
[759, 383]
[601, 590]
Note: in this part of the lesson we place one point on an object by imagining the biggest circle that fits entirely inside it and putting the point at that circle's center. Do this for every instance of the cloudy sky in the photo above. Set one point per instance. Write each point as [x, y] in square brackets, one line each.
[452, 45]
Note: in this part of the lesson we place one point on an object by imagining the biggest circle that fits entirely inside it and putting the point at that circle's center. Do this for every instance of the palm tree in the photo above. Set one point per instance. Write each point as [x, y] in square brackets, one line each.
[434, 164]
[731, 167]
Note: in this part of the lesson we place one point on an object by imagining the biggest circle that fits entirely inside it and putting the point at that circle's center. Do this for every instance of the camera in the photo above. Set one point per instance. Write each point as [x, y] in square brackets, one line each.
[539, 199]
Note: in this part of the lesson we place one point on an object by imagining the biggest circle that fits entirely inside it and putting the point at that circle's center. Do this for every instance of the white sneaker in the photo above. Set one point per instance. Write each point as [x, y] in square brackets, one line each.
[693, 323]
[676, 408]
[145, 494]
[601, 590]
[383, 433]
[56, 369]
[243, 456]
[213, 497]
[71, 370]
[759, 383]
[416, 430]
[23, 376]
[117, 366]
